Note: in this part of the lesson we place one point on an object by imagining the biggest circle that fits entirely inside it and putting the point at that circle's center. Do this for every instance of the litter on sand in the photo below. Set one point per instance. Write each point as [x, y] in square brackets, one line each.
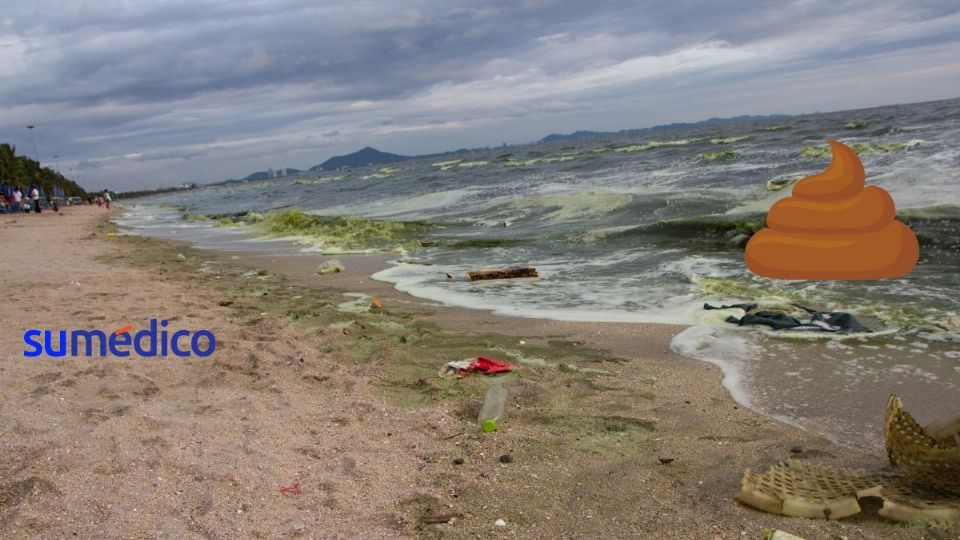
[924, 485]
[503, 273]
[482, 364]
[292, 490]
[774, 534]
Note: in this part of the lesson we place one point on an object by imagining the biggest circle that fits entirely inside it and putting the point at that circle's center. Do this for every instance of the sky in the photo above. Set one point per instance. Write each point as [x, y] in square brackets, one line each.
[143, 93]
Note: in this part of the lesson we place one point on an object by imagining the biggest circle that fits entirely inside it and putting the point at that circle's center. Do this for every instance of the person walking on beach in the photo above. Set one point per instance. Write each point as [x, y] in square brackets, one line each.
[35, 199]
[17, 199]
[106, 198]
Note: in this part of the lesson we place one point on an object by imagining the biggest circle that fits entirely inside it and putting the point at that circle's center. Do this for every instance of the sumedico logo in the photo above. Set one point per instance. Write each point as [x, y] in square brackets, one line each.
[153, 341]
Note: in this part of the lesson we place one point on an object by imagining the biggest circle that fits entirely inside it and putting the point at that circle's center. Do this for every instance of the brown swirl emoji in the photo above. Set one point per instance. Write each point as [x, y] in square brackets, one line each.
[832, 227]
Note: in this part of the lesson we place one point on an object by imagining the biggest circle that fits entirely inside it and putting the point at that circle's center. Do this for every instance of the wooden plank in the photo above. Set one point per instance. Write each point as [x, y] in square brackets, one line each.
[504, 273]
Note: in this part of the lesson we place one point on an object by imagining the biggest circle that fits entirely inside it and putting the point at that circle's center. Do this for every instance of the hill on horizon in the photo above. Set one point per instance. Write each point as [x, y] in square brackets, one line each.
[263, 175]
[371, 156]
[586, 134]
[361, 158]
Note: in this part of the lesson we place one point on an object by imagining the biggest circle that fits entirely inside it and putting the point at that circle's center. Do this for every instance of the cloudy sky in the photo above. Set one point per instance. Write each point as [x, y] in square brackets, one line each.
[143, 93]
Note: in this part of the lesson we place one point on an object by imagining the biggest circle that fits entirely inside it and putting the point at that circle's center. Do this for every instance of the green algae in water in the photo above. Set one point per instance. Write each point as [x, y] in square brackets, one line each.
[195, 217]
[343, 232]
[227, 222]
[656, 144]
[481, 243]
[735, 288]
[724, 155]
[814, 151]
[730, 140]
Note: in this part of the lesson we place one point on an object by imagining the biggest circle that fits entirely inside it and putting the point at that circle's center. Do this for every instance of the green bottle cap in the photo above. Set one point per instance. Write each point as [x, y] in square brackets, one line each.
[489, 426]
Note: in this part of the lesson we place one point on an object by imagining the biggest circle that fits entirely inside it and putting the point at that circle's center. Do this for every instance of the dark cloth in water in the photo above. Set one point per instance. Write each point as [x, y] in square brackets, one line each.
[820, 321]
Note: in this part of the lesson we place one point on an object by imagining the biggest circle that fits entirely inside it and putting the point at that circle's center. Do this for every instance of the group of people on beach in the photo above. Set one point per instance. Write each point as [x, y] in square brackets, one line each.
[15, 201]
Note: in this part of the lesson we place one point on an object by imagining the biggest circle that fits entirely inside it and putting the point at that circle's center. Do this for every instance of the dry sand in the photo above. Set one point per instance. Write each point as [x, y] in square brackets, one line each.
[201, 447]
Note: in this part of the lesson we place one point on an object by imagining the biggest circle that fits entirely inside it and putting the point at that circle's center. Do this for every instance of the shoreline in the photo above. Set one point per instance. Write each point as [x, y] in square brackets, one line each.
[355, 413]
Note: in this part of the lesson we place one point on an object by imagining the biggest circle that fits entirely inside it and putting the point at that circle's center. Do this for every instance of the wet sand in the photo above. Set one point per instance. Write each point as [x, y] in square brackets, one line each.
[309, 386]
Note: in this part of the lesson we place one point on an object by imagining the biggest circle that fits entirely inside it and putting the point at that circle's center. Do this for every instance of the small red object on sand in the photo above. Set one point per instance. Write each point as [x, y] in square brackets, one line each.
[489, 366]
[292, 490]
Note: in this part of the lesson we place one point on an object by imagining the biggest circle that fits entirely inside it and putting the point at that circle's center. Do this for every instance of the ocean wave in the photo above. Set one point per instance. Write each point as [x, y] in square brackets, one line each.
[321, 180]
[936, 227]
[573, 206]
[723, 155]
[817, 151]
[731, 140]
[655, 144]
[381, 174]
[706, 232]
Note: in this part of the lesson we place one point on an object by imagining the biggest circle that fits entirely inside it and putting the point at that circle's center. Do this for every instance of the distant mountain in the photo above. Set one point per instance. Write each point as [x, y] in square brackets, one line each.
[583, 134]
[372, 156]
[360, 158]
[575, 136]
[263, 175]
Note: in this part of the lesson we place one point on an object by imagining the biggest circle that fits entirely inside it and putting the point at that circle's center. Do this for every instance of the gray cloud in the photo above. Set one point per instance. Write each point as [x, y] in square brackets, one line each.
[164, 92]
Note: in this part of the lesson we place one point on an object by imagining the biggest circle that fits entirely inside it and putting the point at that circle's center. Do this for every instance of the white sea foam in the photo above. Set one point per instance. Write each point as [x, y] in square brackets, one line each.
[536, 299]
[577, 205]
[408, 207]
[726, 349]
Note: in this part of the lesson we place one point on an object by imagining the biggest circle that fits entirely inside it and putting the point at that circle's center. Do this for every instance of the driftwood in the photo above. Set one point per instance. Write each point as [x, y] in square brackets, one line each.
[503, 273]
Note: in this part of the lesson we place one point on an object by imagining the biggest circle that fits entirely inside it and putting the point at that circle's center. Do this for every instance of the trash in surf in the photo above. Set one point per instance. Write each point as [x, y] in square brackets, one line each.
[504, 273]
[819, 321]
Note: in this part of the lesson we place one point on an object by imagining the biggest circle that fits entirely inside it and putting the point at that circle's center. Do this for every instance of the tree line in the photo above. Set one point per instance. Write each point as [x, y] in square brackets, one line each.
[25, 172]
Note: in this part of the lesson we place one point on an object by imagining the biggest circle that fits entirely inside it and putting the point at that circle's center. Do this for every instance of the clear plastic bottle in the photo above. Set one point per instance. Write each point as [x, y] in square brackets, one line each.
[492, 410]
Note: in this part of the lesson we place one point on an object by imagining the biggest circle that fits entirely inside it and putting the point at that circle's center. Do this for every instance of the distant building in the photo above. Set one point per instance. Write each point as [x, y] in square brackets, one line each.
[271, 173]
[188, 185]
[283, 172]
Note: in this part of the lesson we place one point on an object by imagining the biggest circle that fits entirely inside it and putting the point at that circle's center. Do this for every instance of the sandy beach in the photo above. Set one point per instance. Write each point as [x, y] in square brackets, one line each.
[311, 388]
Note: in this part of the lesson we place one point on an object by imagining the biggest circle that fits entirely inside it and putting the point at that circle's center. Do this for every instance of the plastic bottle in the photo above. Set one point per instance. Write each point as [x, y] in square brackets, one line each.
[492, 410]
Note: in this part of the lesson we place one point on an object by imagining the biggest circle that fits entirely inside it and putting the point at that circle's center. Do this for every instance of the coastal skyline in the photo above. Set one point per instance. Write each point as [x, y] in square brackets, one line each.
[163, 93]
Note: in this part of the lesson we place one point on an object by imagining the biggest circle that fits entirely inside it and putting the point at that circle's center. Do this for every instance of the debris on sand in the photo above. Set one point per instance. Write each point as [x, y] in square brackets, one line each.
[924, 487]
[331, 266]
[441, 518]
[773, 534]
[487, 366]
[292, 489]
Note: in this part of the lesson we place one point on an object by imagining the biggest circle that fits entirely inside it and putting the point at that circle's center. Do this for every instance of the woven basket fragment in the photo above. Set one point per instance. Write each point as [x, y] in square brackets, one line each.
[924, 487]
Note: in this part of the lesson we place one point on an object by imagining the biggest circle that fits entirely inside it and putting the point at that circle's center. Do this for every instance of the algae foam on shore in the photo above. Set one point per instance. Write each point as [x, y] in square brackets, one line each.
[341, 233]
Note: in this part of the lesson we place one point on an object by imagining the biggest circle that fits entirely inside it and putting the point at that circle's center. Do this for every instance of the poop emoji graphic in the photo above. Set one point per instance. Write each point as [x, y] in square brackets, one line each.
[832, 227]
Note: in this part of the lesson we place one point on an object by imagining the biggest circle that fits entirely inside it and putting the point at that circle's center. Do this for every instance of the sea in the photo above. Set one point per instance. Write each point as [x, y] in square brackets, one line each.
[642, 228]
